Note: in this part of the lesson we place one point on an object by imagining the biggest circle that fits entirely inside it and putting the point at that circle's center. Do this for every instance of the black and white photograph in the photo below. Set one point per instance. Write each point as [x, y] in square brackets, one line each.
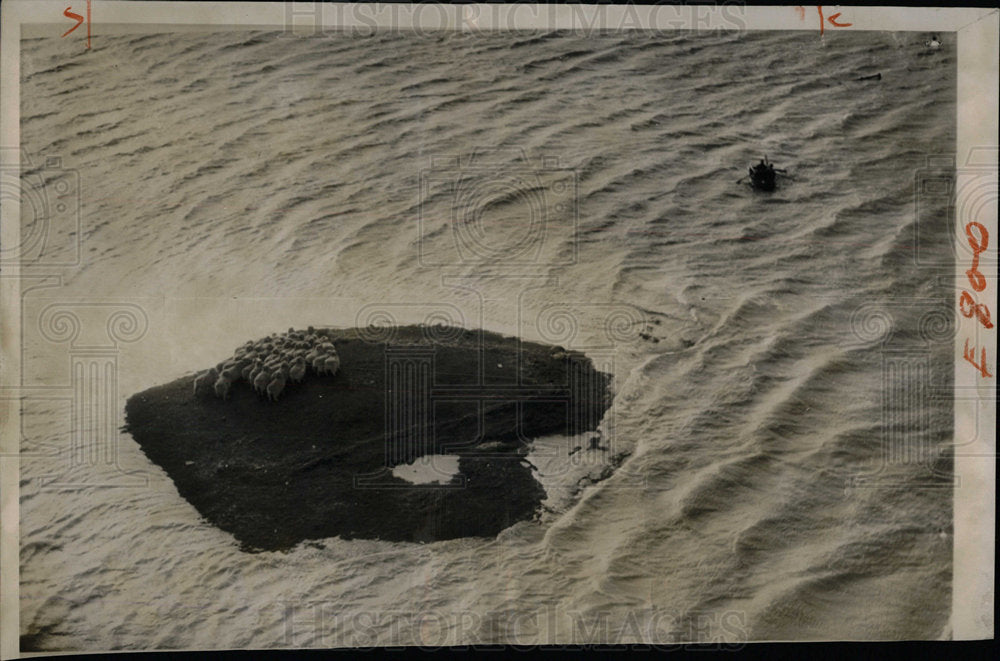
[448, 325]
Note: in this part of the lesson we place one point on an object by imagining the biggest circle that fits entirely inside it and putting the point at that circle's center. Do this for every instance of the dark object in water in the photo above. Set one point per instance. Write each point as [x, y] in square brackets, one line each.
[318, 462]
[762, 176]
[874, 76]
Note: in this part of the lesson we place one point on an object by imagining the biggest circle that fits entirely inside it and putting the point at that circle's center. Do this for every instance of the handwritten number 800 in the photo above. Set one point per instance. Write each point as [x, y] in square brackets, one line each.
[979, 241]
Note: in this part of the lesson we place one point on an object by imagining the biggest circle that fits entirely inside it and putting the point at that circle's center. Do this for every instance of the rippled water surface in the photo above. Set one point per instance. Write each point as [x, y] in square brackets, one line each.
[236, 184]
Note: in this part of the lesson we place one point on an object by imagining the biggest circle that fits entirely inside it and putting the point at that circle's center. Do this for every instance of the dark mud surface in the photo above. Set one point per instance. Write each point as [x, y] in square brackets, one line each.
[317, 463]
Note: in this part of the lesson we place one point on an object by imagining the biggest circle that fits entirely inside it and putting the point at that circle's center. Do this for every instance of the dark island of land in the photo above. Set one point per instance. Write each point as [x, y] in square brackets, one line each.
[317, 462]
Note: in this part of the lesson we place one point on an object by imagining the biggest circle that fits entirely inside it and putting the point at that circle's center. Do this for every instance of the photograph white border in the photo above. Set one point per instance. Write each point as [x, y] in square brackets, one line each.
[977, 38]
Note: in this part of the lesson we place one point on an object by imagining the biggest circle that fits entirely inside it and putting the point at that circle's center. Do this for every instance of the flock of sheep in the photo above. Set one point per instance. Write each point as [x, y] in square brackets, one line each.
[270, 363]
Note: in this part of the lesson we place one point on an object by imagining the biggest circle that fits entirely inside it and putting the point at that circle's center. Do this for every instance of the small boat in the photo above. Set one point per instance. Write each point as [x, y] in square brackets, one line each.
[762, 176]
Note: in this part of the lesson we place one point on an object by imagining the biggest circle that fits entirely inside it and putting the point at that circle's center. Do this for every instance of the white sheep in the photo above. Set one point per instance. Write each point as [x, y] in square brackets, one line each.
[231, 373]
[298, 371]
[248, 370]
[203, 382]
[275, 387]
[261, 381]
[222, 385]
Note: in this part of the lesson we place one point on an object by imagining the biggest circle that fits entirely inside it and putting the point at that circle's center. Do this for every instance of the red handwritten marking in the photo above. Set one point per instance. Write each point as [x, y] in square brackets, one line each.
[833, 21]
[979, 240]
[802, 12]
[968, 306]
[79, 19]
[978, 245]
[75, 17]
[970, 356]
